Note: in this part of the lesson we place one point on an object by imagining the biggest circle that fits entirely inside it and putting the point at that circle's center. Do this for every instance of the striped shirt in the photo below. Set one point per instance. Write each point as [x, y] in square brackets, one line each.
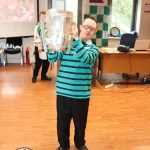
[75, 72]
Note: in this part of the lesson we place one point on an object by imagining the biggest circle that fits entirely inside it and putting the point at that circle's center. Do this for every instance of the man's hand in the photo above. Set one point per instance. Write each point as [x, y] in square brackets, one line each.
[74, 32]
[39, 46]
[39, 49]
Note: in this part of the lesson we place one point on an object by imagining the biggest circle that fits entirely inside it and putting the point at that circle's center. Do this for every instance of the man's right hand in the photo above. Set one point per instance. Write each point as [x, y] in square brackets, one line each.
[74, 32]
[39, 49]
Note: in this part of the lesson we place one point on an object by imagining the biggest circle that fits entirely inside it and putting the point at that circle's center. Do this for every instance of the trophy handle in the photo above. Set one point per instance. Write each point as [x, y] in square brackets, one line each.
[45, 39]
[69, 44]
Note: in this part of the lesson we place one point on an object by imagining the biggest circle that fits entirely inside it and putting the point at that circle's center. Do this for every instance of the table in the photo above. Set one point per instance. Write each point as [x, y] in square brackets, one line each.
[112, 61]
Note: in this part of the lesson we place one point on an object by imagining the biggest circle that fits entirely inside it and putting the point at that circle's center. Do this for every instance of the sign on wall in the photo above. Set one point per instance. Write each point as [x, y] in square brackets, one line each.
[96, 1]
[147, 8]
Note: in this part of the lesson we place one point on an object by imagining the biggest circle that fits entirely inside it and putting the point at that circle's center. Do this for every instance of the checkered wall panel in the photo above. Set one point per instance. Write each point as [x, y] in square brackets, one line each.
[101, 14]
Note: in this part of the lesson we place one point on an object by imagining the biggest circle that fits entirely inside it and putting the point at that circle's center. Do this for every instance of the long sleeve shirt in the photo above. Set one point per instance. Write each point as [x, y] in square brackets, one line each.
[75, 72]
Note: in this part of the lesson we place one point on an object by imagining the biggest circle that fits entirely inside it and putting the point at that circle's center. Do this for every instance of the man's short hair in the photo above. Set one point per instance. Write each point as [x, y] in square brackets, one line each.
[92, 18]
[43, 12]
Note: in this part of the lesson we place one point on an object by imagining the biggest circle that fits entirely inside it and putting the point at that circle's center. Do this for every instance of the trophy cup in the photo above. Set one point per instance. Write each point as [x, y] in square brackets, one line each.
[58, 24]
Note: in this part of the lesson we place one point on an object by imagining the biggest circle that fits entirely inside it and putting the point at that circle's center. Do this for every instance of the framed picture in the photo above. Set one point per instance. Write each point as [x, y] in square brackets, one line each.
[96, 1]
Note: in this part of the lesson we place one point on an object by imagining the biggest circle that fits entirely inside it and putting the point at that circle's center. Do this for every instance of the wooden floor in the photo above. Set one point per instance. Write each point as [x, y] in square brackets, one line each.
[119, 117]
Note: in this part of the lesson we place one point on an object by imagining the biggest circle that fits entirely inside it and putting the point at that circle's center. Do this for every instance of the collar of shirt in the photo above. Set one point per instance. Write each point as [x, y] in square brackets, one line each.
[87, 42]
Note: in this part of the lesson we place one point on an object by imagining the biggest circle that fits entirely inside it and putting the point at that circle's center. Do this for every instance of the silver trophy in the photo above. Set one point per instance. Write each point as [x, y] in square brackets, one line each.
[58, 24]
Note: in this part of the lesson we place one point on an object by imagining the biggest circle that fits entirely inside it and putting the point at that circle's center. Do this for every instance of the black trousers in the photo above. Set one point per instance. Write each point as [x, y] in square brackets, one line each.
[68, 108]
[38, 63]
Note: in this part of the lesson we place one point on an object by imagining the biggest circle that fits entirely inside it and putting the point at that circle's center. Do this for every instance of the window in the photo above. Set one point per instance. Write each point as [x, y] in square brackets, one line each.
[122, 14]
[72, 6]
[67, 5]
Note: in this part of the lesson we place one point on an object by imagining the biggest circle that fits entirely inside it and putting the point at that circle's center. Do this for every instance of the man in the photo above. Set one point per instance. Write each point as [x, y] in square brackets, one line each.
[73, 85]
[38, 49]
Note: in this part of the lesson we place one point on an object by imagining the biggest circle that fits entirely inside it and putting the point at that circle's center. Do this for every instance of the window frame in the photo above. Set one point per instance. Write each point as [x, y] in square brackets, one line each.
[134, 13]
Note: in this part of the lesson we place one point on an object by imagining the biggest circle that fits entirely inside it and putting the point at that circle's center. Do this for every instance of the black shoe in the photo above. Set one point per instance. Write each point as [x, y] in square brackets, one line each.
[33, 80]
[45, 78]
[60, 148]
[83, 148]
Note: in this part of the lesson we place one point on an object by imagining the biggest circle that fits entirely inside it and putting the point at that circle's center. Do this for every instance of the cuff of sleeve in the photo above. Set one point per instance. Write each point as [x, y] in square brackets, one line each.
[77, 43]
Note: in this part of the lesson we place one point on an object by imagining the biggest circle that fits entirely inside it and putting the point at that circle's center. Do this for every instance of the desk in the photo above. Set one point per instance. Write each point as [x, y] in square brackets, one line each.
[111, 61]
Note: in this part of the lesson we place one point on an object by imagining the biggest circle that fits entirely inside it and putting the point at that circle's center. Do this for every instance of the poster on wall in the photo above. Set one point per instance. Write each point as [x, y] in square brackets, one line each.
[96, 1]
[147, 8]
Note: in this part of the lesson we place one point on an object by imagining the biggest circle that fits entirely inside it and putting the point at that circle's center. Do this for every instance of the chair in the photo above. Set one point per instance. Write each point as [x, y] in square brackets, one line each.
[14, 48]
[128, 39]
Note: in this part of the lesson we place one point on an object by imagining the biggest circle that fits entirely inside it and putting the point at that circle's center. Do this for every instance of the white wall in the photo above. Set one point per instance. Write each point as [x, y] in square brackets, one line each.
[28, 42]
[144, 30]
[113, 42]
[58, 4]
[43, 5]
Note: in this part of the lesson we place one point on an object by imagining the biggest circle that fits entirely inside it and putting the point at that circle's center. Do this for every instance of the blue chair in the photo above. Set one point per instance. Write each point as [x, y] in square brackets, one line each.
[128, 39]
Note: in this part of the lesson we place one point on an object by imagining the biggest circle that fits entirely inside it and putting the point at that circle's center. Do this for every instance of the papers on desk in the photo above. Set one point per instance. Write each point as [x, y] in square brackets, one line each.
[43, 55]
[131, 50]
[109, 50]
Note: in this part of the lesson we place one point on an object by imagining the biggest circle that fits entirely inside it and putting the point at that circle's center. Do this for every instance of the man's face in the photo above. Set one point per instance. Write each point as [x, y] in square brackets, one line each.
[42, 16]
[88, 29]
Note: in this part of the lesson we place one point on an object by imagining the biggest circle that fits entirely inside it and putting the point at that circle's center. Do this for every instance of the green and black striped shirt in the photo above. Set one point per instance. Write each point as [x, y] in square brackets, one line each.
[75, 72]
